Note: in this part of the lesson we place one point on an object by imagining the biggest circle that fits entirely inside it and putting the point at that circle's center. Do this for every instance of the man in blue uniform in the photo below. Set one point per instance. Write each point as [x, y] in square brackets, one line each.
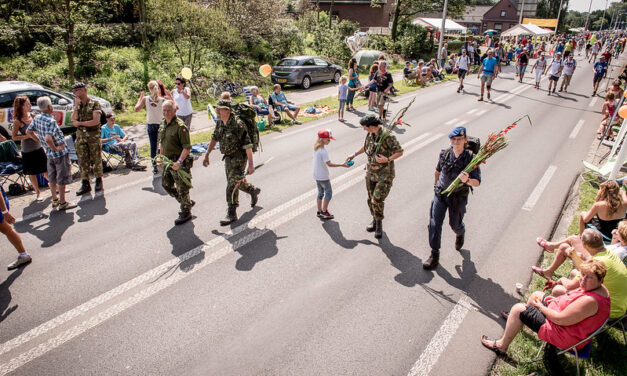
[451, 164]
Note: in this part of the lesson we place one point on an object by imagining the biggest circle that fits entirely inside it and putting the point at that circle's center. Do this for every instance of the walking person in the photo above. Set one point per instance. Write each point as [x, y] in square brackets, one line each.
[353, 84]
[6, 220]
[570, 64]
[176, 146]
[384, 82]
[555, 71]
[34, 159]
[600, 70]
[182, 95]
[342, 94]
[58, 165]
[86, 119]
[237, 147]
[443, 55]
[321, 164]
[372, 89]
[488, 72]
[523, 61]
[463, 65]
[540, 67]
[154, 113]
[379, 169]
[594, 51]
[451, 165]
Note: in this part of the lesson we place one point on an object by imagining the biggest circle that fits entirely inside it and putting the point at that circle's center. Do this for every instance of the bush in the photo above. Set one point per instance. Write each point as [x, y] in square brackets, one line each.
[413, 41]
[454, 46]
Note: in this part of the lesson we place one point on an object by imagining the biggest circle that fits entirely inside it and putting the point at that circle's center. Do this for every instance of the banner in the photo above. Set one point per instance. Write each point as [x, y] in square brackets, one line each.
[542, 22]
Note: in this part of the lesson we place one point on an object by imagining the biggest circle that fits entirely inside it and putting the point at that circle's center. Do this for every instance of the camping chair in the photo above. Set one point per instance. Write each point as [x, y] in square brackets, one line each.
[112, 157]
[584, 353]
[71, 146]
[618, 323]
[11, 167]
[603, 171]
[276, 115]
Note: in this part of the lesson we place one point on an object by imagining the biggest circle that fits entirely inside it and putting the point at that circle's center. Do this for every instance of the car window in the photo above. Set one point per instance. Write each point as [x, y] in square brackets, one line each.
[321, 62]
[32, 95]
[308, 62]
[6, 100]
[54, 98]
[287, 62]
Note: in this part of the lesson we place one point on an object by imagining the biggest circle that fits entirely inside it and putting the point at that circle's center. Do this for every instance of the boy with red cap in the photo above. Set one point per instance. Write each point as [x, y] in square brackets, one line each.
[321, 164]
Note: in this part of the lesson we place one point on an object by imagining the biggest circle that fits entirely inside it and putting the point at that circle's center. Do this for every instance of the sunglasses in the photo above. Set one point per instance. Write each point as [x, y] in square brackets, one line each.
[178, 83]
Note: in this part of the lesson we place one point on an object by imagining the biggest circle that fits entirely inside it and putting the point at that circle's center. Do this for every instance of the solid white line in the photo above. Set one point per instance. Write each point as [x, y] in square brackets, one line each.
[413, 141]
[305, 128]
[451, 121]
[593, 101]
[481, 112]
[575, 131]
[264, 226]
[470, 112]
[440, 340]
[537, 192]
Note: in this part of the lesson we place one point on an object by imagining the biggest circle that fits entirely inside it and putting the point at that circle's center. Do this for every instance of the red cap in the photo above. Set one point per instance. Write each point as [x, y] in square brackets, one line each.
[325, 133]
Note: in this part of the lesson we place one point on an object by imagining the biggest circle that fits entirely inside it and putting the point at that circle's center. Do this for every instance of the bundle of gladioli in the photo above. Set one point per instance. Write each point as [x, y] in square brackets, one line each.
[396, 121]
[166, 163]
[495, 142]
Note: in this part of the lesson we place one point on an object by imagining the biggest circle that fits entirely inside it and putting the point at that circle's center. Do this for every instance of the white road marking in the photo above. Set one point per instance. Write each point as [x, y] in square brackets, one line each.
[154, 287]
[305, 128]
[413, 141]
[451, 121]
[537, 191]
[481, 112]
[593, 101]
[440, 340]
[575, 131]
[470, 112]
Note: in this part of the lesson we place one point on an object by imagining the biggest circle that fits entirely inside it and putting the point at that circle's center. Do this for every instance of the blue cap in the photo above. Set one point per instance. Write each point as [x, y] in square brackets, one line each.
[459, 131]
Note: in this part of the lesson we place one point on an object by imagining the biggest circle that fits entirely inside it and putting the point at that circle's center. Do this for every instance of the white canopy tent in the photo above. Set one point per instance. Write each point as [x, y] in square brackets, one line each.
[525, 29]
[436, 23]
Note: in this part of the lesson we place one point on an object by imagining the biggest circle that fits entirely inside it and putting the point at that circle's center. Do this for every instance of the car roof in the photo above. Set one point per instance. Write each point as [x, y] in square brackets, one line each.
[8, 86]
[302, 57]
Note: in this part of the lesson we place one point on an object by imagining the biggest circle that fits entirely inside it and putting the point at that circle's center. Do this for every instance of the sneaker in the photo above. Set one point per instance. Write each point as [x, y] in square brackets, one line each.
[560, 90]
[488, 95]
[458, 90]
[297, 122]
[292, 122]
[55, 203]
[155, 170]
[480, 99]
[326, 215]
[319, 214]
[21, 260]
[553, 90]
[66, 205]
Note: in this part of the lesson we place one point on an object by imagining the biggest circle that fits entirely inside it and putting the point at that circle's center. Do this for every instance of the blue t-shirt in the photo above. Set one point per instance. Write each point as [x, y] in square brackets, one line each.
[343, 91]
[372, 87]
[559, 48]
[106, 132]
[279, 98]
[600, 68]
[488, 65]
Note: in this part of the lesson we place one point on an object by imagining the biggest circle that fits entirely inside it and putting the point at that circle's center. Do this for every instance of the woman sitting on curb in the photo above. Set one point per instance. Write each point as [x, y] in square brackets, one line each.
[561, 321]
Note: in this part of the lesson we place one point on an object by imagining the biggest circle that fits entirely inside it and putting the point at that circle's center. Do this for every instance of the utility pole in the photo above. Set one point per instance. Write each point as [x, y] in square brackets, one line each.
[437, 58]
[603, 19]
[588, 16]
[559, 12]
[522, 10]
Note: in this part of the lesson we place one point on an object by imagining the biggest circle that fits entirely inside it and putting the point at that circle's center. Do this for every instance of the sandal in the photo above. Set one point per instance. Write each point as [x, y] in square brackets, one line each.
[542, 243]
[540, 272]
[485, 339]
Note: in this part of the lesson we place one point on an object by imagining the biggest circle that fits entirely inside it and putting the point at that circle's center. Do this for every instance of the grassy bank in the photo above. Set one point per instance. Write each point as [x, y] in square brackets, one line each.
[609, 352]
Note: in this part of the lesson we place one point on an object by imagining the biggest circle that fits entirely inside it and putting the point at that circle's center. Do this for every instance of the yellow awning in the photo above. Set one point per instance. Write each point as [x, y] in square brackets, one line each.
[542, 22]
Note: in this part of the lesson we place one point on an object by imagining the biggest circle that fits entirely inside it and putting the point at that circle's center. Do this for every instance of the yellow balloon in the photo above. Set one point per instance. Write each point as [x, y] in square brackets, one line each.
[186, 73]
[265, 70]
[622, 112]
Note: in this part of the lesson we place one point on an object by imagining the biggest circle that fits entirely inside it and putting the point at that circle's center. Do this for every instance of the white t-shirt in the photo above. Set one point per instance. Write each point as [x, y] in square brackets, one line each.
[555, 68]
[621, 252]
[154, 110]
[320, 168]
[569, 66]
[540, 64]
[595, 48]
[470, 50]
[462, 62]
[185, 104]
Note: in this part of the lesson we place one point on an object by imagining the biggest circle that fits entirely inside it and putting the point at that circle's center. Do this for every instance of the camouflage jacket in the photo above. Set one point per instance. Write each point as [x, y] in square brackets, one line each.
[85, 110]
[232, 136]
[389, 147]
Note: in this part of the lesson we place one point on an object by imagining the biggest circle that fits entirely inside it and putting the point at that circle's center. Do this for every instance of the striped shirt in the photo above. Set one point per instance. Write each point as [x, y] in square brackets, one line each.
[44, 124]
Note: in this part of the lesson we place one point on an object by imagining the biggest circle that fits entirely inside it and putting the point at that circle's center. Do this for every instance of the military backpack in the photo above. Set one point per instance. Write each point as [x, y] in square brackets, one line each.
[248, 116]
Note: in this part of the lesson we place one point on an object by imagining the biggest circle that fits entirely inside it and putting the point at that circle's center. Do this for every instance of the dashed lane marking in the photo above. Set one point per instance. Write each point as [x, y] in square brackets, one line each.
[575, 130]
[593, 101]
[537, 192]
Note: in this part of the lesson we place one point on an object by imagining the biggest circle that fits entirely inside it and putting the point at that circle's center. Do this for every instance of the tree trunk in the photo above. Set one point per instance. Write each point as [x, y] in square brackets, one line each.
[331, 13]
[397, 11]
[142, 24]
[70, 51]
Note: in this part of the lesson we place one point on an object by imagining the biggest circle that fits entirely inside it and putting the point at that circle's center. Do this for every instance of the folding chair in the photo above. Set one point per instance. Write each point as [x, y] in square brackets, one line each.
[618, 323]
[112, 157]
[71, 146]
[11, 166]
[584, 353]
[276, 115]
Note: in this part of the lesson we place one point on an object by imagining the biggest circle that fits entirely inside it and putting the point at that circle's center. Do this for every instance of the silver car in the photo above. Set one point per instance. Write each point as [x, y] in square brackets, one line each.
[305, 70]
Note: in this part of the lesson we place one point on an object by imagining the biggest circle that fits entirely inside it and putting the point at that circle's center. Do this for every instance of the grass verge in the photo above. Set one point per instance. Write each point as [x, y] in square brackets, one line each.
[609, 352]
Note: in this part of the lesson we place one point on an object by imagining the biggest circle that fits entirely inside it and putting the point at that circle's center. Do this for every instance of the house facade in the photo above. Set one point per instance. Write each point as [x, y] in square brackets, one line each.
[502, 16]
[360, 11]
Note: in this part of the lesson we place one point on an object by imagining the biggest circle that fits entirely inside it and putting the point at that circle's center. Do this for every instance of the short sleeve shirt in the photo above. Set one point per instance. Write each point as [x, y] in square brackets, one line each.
[106, 132]
[279, 98]
[599, 68]
[383, 81]
[43, 125]
[320, 168]
[174, 137]
[488, 65]
[555, 67]
[86, 110]
[569, 66]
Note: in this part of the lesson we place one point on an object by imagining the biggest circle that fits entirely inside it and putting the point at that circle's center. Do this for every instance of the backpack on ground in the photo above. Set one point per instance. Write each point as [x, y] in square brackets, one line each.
[248, 116]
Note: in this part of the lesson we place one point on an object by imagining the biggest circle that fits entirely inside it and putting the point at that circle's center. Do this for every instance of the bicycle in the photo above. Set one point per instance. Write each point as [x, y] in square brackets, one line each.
[233, 88]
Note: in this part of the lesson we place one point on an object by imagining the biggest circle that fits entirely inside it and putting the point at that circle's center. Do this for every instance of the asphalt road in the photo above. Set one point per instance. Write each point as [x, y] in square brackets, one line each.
[116, 288]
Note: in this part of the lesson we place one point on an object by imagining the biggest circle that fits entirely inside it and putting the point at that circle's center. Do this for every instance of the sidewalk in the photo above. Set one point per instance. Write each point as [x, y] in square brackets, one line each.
[200, 122]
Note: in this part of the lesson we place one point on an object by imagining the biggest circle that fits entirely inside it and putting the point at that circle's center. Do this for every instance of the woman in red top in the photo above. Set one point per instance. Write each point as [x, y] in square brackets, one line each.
[564, 320]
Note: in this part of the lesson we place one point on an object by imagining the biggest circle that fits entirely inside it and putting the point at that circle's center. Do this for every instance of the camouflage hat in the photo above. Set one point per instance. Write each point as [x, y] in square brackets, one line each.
[223, 104]
[370, 120]
[78, 85]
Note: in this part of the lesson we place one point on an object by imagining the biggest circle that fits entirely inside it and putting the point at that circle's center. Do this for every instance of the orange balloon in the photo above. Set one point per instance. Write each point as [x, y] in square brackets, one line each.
[622, 112]
[625, 93]
[265, 70]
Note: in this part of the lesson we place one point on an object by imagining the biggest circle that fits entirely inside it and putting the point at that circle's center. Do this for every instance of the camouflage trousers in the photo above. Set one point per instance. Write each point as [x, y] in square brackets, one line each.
[89, 152]
[235, 167]
[175, 187]
[378, 190]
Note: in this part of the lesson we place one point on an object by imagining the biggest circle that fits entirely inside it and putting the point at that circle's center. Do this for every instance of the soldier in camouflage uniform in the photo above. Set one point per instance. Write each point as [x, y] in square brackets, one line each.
[380, 168]
[176, 146]
[86, 119]
[236, 146]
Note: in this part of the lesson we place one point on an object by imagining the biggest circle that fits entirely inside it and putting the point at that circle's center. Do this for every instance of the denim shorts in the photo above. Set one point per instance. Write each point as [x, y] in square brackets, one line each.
[342, 104]
[324, 190]
[288, 106]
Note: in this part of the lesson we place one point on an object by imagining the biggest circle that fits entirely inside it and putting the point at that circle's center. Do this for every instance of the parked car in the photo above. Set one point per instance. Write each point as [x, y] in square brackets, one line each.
[305, 70]
[104, 104]
[62, 103]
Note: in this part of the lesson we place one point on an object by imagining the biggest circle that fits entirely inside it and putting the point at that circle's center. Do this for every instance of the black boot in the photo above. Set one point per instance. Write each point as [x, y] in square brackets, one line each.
[433, 260]
[183, 217]
[372, 226]
[254, 196]
[378, 231]
[85, 188]
[459, 242]
[98, 186]
[231, 216]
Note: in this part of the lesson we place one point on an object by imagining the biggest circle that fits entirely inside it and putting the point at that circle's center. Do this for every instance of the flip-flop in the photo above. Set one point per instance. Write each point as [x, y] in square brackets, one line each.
[540, 272]
[542, 243]
[493, 348]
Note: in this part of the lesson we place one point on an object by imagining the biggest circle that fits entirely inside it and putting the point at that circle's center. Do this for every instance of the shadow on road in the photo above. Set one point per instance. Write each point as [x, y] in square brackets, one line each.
[184, 239]
[409, 266]
[51, 232]
[89, 208]
[335, 233]
[156, 186]
[5, 295]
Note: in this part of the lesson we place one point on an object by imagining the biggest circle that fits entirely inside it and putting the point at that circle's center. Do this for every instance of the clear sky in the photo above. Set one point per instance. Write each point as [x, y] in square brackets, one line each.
[582, 5]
